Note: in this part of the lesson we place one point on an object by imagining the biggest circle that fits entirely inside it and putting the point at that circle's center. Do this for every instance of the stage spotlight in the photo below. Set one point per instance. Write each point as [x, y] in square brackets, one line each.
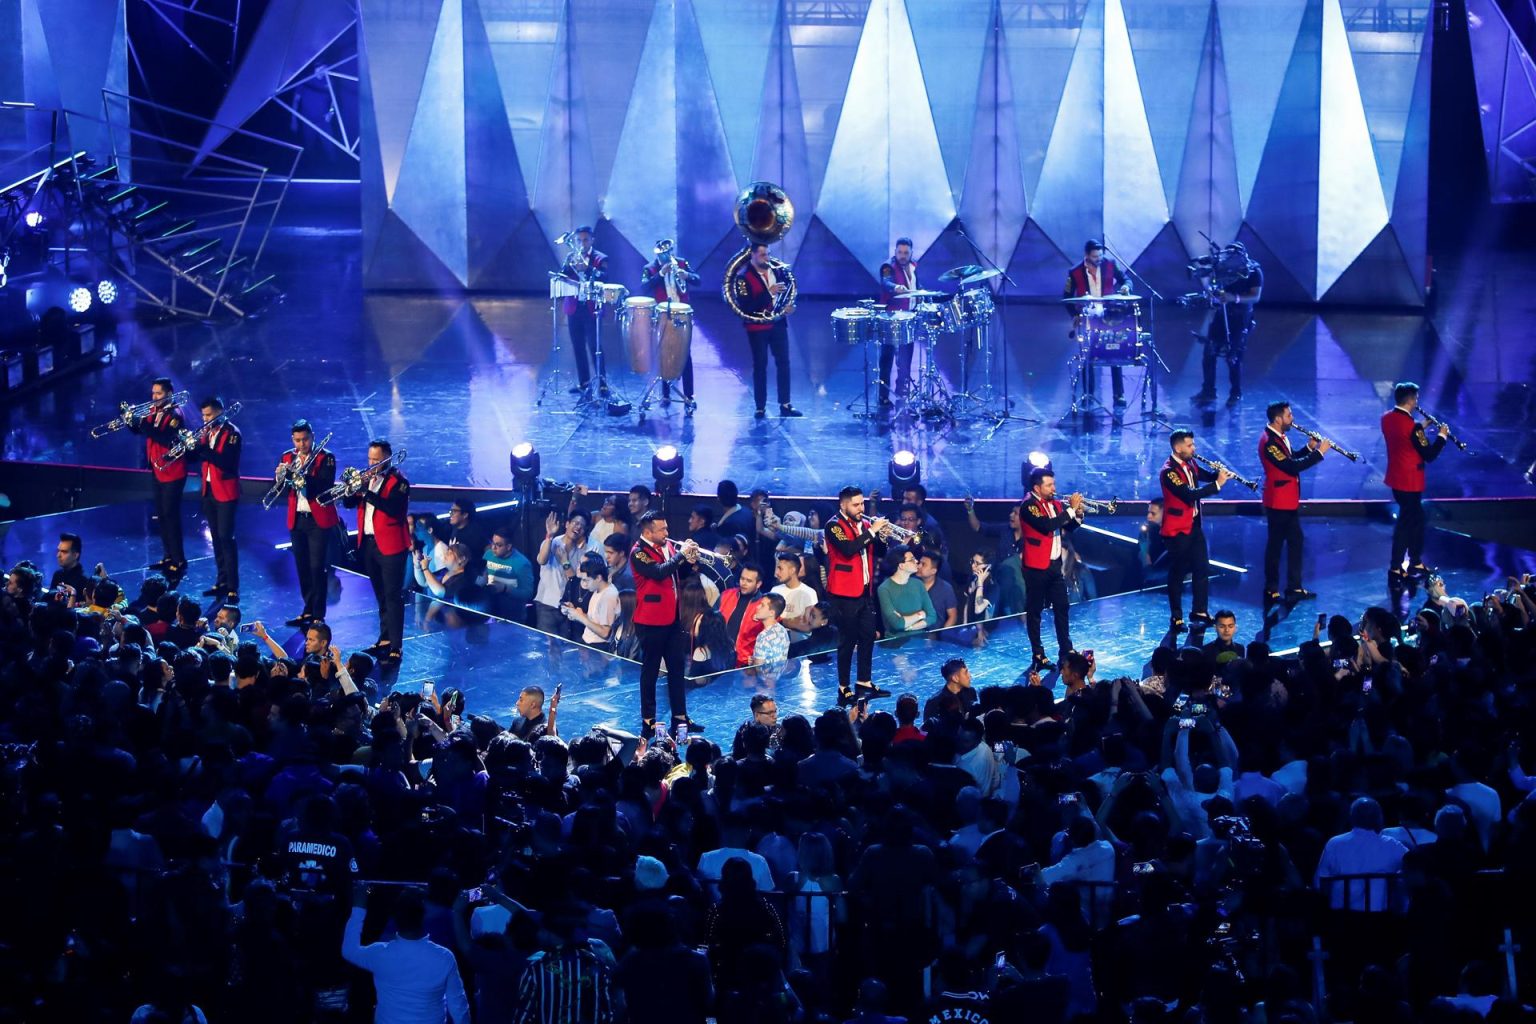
[525, 465]
[106, 291]
[667, 469]
[904, 471]
[79, 299]
[34, 218]
[1033, 461]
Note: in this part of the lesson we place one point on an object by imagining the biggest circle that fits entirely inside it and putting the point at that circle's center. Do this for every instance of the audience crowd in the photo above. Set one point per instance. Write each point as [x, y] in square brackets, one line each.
[201, 827]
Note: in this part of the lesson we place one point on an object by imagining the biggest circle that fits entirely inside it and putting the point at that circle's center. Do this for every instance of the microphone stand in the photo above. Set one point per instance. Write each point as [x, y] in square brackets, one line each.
[1156, 358]
[988, 392]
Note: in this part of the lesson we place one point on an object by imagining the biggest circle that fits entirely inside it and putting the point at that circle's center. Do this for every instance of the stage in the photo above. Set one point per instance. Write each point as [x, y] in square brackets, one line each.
[492, 659]
[456, 380]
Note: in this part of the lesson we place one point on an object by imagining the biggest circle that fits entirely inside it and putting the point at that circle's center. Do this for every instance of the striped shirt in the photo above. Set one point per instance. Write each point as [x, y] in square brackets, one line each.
[573, 985]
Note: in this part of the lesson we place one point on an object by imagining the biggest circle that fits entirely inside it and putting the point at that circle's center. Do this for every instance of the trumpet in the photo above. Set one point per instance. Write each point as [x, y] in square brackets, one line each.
[1217, 467]
[354, 480]
[130, 412]
[713, 557]
[190, 439]
[890, 530]
[1445, 428]
[1319, 438]
[1096, 507]
[290, 473]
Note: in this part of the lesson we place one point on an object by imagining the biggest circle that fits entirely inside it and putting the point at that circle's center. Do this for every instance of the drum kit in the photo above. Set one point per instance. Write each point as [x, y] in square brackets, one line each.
[934, 318]
[1108, 332]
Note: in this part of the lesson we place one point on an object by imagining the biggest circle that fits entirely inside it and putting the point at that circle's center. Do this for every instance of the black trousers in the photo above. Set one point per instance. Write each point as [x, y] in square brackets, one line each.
[583, 330]
[776, 339]
[1408, 532]
[168, 511]
[903, 369]
[1208, 371]
[1047, 588]
[311, 546]
[1284, 532]
[1116, 380]
[1187, 553]
[856, 622]
[226, 557]
[663, 644]
[666, 385]
[387, 574]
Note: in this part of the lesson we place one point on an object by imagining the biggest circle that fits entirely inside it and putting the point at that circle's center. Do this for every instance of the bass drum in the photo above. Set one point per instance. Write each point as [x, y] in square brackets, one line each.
[852, 325]
[676, 320]
[639, 328]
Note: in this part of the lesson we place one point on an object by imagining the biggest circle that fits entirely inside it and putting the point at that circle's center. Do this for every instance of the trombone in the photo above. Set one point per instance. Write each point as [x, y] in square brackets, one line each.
[1319, 438]
[1445, 428]
[1096, 507]
[289, 474]
[354, 480]
[190, 439]
[1217, 467]
[130, 412]
[901, 533]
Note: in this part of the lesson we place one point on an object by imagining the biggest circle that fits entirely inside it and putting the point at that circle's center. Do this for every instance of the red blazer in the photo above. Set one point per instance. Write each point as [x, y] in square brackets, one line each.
[656, 572]
[753, 296]
[1040, 520]
[1077, 279]
[221, 464]
[318, 478]
[1408, 450]
[891, 275]
[390, 505]
[1282, 470]
[651, 278]
[1181, 495]
[850, 557]
[160, 434]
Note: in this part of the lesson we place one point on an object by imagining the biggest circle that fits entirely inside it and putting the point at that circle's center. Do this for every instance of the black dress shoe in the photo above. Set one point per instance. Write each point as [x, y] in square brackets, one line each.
[1201, 619]
[693, 727]
[1041, 663]
[578, 389]
[869, 691]
[300, 620]
[689, 406]
[1234, 398]
[1299, 594]
[217, 590]
[1272, 597]
[1120, 402]
[1420, 569]
[1203, 396]
[760, 414]
[1176, 625]
[788, 411]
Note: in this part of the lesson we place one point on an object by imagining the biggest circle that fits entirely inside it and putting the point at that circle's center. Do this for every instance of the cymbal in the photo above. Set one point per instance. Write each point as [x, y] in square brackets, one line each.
[922, 293]
[979, 276]
[956, 273]
[1102, 298]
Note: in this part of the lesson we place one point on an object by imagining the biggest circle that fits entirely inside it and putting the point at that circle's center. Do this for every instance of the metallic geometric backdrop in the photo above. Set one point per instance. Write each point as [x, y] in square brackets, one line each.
[1299, 126]
[1503, 37]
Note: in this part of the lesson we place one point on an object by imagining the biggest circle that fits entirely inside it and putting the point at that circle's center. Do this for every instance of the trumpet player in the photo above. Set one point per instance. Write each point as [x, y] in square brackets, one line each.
[220, 451]
[384, 543]
[1282, 500]
[1409, 450]
[309, 523]
[851, 593]
[1044, 519]
[1184, 483]
[659, 567]
[758, 287]
[160, 428]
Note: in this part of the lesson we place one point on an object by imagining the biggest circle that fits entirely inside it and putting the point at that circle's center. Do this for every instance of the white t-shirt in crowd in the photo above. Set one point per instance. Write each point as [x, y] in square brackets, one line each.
[797, 601]
[603, 609]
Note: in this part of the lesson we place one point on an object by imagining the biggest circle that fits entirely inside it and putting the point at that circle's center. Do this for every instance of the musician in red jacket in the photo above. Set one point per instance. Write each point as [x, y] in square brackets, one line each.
[309, 523]
[585, 265]
[383, 541]
[851, 601]
[757, 289]
[659, 566]
[160, 430]
[219, 448]
[667, 277]
[1282, 500]
[1095, 276]
[1184, 484]
[1409, 449]
[1044, 519]
[896, 279]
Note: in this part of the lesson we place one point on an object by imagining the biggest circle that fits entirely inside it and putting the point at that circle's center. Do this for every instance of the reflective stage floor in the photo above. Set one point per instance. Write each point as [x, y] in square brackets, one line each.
[457, 379]
[491, 659]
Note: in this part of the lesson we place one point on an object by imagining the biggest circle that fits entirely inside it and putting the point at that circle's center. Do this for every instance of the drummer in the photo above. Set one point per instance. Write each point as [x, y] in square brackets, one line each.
[897, 278]
[1095, 276]
[669, 283]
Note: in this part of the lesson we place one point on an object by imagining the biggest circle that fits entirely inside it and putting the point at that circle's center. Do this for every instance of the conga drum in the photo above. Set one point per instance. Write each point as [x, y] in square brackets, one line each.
[676, 337]
[639, 328]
